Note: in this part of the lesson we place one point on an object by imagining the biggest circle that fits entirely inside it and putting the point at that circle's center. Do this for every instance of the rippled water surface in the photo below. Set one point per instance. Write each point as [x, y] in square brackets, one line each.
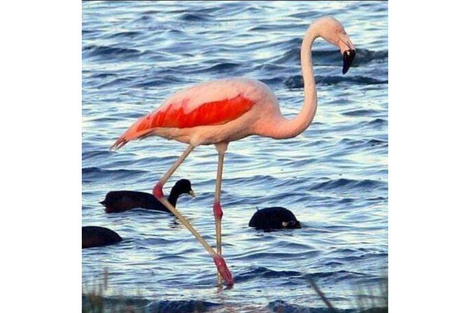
[334, 176]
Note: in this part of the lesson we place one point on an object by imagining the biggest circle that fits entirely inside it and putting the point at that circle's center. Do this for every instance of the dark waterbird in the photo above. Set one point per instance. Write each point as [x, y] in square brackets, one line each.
[95, 236]
[124, 200]
[274, 218]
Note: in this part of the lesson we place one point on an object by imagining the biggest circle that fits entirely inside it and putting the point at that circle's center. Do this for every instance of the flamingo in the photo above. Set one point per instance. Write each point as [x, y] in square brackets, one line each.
[221, 111]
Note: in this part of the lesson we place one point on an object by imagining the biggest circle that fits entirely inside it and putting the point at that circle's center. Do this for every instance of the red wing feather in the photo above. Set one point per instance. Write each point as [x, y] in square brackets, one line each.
[174, 116]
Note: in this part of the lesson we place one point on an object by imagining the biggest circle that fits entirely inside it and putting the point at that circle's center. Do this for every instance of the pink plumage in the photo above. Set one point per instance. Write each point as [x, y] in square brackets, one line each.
[222, 111]
[195, 115]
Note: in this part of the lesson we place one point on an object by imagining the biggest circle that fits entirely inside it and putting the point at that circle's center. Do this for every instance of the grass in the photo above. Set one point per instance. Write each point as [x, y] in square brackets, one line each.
[368, 300]
[97, 299]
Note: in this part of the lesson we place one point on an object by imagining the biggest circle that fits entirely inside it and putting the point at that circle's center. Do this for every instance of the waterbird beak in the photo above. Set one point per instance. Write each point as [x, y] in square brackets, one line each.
[348, 57]
[192, 193]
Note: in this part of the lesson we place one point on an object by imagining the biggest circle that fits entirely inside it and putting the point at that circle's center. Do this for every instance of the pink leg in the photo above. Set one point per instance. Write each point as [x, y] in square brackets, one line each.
[158, 193]
[218, 213]
[158, 189]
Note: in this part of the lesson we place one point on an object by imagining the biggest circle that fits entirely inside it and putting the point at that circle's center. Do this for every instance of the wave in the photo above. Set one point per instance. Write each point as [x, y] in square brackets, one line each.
[333, 57]
[377, 142]
[223, 66]
[90, 174]
[180, 306]
[361, 112]
[335, 275]
[110, 51]
[364, 56]
[379, 122]
[263, 272]
[282, 306]
[344, 183]
[103, 75]
[196, 17]
[363, 142]
[160, 81]
[125, 34]
[118, 82]
[162, 306]
[263, 28]
[297, 81]
[144, 20]
[92, 154]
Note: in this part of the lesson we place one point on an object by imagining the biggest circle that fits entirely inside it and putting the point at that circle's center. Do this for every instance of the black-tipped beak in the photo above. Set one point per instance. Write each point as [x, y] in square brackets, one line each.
[348, 57]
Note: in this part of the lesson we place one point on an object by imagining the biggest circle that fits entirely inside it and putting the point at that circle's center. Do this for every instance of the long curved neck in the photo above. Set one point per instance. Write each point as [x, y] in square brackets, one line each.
[291, 128]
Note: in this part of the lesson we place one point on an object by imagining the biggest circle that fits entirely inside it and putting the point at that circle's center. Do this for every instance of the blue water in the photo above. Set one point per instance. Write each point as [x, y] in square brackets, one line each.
[334, 176]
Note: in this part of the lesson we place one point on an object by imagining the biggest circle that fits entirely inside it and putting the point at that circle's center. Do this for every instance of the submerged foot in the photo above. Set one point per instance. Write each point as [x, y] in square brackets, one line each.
[223, 269]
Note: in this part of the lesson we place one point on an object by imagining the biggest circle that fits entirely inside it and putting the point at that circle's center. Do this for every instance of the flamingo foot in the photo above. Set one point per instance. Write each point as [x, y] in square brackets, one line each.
[218, 213]
[223, 269]
[158, 191]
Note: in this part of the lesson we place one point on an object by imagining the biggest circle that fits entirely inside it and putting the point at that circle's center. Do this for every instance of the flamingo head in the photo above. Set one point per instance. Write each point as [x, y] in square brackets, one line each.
[333, 31]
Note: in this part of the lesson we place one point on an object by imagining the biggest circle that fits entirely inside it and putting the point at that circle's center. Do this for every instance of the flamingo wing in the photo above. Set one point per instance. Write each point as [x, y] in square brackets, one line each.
[191, 108]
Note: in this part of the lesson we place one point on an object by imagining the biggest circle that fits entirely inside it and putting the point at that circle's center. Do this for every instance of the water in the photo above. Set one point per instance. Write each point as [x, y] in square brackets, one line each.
[334, 176]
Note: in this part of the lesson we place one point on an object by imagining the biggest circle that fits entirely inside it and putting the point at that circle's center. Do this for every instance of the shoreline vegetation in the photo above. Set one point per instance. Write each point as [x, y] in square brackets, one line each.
[99, 298]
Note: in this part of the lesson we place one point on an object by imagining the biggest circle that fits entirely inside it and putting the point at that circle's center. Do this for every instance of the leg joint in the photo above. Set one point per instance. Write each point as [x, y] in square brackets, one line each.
[218, 213]
[158, 191]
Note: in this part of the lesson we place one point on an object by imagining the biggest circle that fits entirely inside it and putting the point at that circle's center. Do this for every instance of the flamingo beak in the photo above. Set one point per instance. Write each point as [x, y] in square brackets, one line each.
[192, 193]
[348, 57]
[347, 49]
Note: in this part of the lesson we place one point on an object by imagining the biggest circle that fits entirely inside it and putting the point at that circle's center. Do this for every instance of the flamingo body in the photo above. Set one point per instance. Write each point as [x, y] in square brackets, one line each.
[209, 113]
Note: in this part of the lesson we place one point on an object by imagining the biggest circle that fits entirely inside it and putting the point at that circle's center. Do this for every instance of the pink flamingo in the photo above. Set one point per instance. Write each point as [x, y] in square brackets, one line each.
[221, 111]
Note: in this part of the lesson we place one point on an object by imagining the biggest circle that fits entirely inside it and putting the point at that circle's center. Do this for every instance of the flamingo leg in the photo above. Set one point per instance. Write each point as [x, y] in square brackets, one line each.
[158, 193]
[218, 213]
[172, 169]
